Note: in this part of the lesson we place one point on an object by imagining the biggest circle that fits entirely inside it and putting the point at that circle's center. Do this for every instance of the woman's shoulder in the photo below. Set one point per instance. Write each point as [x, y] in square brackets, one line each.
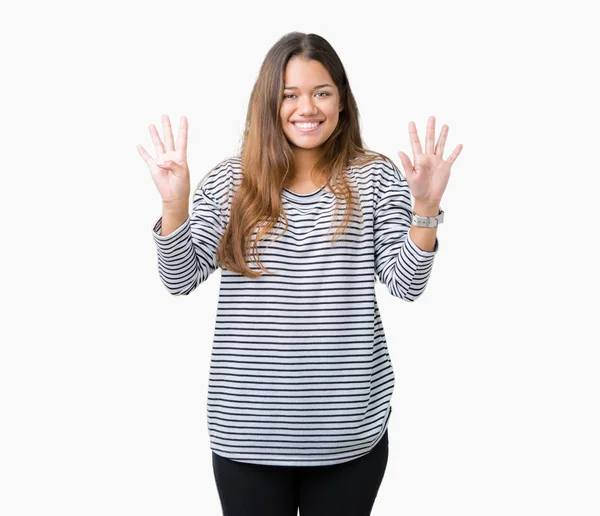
[374, 164]
[221, 177]
[227, 166]
[231, 161]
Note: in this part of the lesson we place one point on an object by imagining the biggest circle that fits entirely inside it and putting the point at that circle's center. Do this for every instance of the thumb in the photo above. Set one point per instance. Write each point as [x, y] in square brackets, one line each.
[174, 166]
[163, 164]
[406, 164]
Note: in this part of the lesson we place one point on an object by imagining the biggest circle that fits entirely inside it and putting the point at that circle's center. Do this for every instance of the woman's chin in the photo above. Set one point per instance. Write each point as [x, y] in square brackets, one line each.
[303, 145]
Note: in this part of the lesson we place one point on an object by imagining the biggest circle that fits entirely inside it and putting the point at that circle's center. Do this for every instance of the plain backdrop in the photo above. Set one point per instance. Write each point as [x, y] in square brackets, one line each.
[104, 375]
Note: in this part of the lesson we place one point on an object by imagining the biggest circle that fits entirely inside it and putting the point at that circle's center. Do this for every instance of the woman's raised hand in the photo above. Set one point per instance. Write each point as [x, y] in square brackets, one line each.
[429, 176]
[169, 170]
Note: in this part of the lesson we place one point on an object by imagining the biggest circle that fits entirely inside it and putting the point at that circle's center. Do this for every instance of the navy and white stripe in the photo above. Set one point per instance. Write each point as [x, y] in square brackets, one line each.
[300, 373]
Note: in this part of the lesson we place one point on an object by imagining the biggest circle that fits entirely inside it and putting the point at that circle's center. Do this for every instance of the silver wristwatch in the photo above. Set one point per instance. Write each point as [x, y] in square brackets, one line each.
[428, 222]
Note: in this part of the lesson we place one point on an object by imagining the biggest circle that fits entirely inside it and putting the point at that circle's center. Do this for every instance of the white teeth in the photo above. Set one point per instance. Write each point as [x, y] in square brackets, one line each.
[306, 126]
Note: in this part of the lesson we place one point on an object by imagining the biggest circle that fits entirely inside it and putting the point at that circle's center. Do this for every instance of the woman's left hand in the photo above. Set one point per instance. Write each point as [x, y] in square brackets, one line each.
[429, 176]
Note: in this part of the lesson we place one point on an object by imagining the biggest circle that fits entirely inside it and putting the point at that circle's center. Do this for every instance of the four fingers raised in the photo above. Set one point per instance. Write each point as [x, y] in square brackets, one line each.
[182, 137]
[415, 143]
[169, 144]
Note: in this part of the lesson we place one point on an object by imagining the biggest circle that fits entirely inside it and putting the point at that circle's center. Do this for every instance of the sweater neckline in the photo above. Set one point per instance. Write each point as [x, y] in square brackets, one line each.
[293, 196]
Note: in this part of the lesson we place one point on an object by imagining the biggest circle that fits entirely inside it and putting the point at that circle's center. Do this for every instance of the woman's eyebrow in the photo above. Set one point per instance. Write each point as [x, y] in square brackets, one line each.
[315, 88]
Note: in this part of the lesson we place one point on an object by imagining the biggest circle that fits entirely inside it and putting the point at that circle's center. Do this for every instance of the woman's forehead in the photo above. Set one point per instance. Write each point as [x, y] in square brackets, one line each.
[307, 74]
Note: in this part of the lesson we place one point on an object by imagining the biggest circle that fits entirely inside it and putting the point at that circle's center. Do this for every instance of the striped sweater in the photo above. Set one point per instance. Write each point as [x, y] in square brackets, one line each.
[300, 373]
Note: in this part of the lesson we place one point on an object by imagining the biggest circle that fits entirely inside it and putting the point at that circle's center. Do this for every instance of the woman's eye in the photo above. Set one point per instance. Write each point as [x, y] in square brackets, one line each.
[289, 95]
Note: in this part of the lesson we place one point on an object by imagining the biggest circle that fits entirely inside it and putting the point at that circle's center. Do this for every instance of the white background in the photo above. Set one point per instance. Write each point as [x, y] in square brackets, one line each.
[103, 374]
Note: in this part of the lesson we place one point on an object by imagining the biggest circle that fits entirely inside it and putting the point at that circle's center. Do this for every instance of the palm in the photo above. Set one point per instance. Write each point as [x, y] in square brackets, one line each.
[429, 176]
[173, 178]
[169, 183]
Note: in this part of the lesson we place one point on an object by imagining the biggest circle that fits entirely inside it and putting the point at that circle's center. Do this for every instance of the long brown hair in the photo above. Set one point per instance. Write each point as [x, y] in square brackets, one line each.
[267, 158]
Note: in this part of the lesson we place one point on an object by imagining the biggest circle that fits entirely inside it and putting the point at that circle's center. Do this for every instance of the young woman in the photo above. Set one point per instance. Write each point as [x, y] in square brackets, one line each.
[301, 223]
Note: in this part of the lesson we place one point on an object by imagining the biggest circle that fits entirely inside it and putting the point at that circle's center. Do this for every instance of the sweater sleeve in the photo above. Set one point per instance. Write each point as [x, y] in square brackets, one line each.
[399, 263]
[187, 256]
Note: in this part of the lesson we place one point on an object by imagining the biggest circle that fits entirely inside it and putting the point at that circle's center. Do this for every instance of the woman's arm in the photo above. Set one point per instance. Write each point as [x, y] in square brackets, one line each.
[424, 237]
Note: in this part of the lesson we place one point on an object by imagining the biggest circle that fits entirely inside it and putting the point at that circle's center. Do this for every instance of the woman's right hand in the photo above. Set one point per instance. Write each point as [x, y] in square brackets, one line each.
[169, 170]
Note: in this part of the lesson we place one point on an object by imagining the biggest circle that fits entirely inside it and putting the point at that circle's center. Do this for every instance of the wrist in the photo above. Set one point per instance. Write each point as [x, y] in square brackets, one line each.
[175, 208]
[175, 204]
[426, 208]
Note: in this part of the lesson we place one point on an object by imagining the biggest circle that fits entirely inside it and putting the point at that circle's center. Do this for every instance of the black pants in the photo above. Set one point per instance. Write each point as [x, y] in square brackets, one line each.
[347, 489]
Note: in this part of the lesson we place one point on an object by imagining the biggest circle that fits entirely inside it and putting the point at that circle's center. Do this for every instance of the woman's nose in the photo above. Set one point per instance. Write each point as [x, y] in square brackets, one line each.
[306, 106]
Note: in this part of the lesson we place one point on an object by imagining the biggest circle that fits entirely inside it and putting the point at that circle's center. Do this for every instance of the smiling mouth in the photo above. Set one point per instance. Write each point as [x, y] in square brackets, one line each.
[306, 127]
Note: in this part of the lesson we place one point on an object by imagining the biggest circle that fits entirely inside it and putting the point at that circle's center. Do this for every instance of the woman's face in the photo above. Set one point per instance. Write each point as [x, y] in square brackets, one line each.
[310, 104]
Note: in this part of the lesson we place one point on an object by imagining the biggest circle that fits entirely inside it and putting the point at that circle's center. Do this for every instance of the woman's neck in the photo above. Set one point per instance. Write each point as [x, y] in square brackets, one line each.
[305, 160]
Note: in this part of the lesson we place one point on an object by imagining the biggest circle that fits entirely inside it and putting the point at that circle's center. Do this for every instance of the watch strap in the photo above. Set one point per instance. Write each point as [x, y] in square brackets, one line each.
[428, 222]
